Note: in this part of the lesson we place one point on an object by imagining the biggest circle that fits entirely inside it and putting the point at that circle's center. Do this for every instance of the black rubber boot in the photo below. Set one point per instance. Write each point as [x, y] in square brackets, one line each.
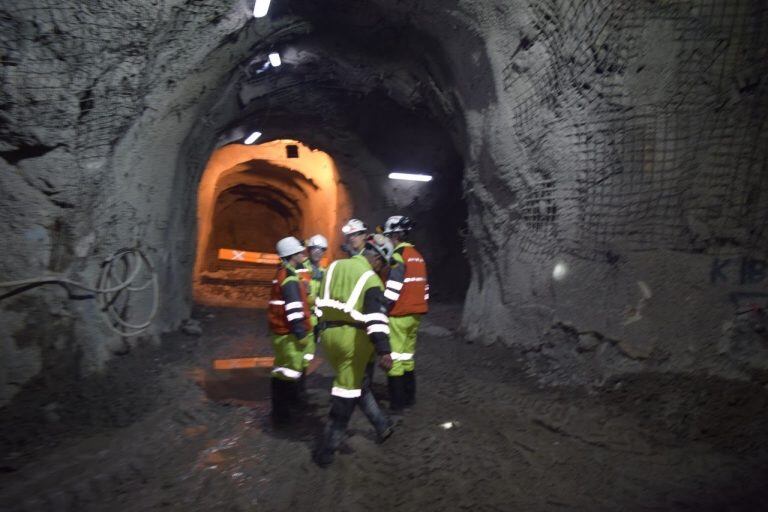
[380, 421]
[367, 403]
[335, 429]
[396, 387]
[293, 392]
[281, 402]
[409, 379]
[301, 390]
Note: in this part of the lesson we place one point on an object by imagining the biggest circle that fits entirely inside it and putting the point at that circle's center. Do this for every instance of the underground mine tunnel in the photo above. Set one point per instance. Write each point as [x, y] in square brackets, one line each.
[594, 227]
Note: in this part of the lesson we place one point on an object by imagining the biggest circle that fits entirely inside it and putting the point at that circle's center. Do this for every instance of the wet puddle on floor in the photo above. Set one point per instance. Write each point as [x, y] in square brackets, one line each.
[241, 381]
[233, 451]
[221, 454]
[234, 458]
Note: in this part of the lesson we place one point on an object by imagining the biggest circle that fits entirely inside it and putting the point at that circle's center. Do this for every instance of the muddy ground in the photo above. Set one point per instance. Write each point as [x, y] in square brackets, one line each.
[165, 431]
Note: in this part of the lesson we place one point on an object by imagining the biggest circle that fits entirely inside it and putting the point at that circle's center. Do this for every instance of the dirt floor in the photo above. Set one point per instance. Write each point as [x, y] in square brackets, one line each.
[165, 431]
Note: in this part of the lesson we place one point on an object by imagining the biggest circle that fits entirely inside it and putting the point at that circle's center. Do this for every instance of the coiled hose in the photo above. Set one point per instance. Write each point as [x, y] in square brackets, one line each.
[112, 292]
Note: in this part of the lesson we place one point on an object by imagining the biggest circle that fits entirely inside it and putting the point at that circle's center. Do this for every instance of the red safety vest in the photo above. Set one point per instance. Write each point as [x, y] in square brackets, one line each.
[278, 323]
[415, 292]
[305, 276]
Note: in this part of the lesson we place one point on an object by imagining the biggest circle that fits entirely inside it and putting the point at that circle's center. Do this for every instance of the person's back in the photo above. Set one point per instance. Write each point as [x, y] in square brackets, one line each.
[355, 329]
[343, 288]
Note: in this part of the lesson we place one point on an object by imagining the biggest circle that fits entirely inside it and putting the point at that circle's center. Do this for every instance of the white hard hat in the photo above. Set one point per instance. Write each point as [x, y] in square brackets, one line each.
[289, 246]
[397, 223]
[353, 226]
[381, 245]
[317, 241]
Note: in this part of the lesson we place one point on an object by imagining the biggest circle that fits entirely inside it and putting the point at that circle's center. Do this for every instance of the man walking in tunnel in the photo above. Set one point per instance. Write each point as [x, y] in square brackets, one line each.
[289, 323]
[316, 246]
[355, 325]
[355, 232]
[406, 296]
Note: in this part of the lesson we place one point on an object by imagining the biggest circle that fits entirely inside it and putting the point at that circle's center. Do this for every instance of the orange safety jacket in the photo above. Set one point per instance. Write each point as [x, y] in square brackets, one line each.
[288, 304]
[407, 288]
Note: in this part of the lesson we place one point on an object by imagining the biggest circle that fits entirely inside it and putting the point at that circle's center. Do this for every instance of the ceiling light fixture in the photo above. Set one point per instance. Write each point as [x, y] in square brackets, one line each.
[260, 8]
[409, 177]
[274, 59]
[253, 137]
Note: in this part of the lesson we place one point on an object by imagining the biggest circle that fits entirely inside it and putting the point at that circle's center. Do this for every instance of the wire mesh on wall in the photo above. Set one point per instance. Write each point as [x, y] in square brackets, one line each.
[86, 67]
[662, 108]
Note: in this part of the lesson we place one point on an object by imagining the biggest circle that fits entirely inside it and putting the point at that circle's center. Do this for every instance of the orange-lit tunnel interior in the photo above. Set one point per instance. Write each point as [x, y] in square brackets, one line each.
[250, 197]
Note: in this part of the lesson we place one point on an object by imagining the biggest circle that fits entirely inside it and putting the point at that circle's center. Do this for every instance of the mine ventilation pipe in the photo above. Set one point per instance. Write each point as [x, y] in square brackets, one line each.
[137, 273]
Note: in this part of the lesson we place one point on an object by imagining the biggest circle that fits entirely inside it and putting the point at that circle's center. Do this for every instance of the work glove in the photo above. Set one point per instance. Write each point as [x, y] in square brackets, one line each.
[385, 362]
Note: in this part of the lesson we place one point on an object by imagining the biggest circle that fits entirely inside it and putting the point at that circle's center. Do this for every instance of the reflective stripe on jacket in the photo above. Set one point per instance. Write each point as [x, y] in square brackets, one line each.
[351, 292]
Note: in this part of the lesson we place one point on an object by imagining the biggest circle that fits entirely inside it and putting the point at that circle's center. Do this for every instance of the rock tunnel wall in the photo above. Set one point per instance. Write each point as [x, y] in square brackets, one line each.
[624, 141]
[97, 100]
[628, 149]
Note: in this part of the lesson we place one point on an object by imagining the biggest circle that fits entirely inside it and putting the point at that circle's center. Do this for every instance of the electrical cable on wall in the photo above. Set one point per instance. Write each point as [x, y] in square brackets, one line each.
[112, 291]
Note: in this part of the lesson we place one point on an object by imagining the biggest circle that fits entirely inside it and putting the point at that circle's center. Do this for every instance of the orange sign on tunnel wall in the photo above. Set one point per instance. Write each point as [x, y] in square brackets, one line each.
[243, 362]
[256, 257]
[249, 257]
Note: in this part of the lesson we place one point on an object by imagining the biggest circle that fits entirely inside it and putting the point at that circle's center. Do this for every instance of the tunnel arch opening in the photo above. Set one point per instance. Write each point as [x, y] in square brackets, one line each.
[376, 107]
[251, 218]
[251, 196]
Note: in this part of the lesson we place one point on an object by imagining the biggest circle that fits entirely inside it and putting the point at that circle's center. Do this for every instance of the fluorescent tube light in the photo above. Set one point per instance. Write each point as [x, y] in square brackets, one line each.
[409, 177]
[253, 137]
[260, 8]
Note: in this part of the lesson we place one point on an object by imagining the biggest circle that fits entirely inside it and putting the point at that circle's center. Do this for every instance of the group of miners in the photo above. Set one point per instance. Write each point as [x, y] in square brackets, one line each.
[359, 319]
